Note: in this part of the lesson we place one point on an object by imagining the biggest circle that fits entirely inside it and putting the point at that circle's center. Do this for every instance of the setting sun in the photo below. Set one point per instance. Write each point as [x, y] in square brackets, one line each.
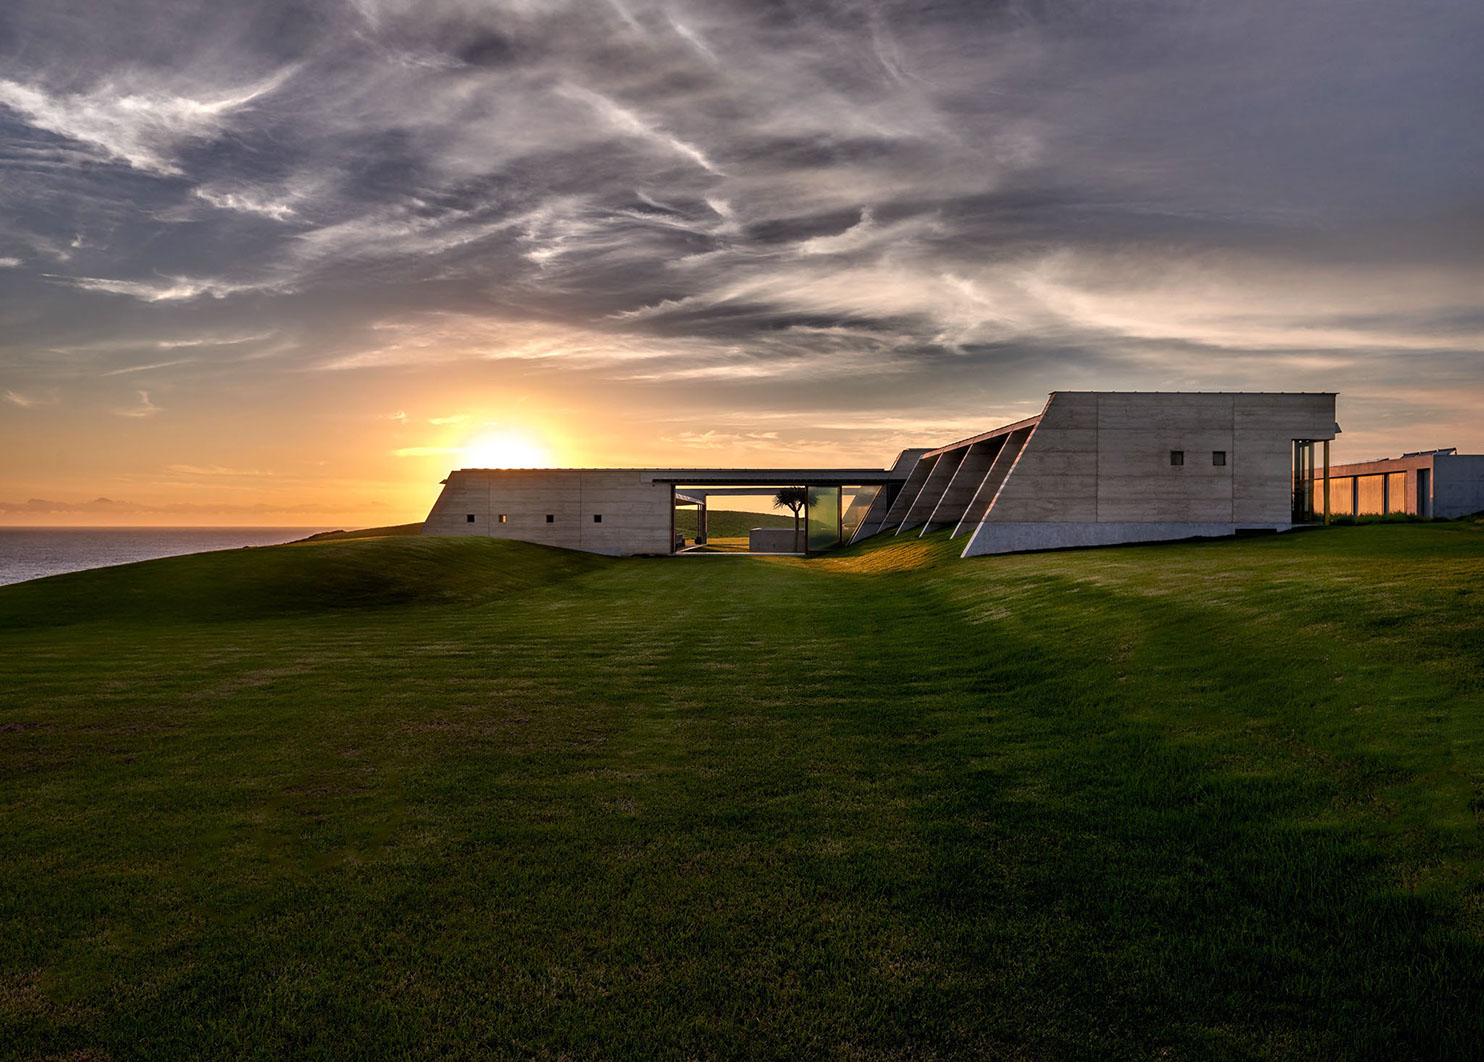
[506, 450]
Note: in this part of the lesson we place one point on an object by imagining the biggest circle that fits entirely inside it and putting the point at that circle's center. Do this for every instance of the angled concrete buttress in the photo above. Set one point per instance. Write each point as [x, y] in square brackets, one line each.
[966, 479]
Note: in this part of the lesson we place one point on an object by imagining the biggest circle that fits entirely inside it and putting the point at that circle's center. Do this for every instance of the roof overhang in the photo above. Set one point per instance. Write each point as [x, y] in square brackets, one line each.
[1029, 422]
[766, 477]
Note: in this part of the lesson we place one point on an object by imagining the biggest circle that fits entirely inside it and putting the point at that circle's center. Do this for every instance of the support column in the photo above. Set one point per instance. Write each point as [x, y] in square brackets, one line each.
[1326, 482]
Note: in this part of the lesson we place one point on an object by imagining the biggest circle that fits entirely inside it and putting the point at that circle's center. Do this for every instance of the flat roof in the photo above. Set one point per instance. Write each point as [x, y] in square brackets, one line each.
[766, 477]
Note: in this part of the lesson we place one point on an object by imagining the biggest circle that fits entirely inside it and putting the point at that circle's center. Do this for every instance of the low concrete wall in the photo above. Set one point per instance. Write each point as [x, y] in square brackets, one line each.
[1008, 537]
[612, 511]
[774, 540]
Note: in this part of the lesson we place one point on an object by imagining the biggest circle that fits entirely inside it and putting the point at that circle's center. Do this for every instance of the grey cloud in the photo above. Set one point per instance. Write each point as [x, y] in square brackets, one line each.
[741, 193]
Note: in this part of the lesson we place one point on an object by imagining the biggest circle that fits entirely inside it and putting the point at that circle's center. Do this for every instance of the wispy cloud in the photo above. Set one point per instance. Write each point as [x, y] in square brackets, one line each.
[216, 470]
[247, 201]
[133, 120]
[167, 289]
[146, 368]
[627, 122]
[144, 408]
[29, 401]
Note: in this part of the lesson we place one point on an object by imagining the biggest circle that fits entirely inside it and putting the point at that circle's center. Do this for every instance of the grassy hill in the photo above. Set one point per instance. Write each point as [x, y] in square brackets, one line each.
[407, 796]
[393, 531]
[726, 523]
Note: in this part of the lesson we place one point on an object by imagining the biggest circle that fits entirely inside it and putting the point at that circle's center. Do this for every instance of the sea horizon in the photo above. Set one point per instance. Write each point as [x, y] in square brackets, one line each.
[33, 551]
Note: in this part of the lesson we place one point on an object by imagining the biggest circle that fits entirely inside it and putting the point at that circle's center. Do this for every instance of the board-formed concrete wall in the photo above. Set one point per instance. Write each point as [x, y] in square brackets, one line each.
[1458, 485]
[1097, 468]
[637, 516]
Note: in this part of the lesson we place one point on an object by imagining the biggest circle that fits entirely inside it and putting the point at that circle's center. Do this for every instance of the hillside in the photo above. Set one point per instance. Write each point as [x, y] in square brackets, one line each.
[726, 523]
[410, 796]
[393, 531]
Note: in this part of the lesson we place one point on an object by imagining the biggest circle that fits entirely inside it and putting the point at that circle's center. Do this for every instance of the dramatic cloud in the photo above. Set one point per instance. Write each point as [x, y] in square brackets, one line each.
[884, 213]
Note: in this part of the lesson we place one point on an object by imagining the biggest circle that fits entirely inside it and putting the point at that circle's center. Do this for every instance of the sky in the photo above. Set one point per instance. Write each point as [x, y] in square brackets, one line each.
[290, 261]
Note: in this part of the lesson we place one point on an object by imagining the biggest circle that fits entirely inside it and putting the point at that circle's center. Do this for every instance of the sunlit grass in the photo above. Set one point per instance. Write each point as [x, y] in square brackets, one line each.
[477, 798]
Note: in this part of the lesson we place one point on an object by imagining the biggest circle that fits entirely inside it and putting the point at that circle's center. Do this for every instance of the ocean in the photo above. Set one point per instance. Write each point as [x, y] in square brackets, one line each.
[33, 552]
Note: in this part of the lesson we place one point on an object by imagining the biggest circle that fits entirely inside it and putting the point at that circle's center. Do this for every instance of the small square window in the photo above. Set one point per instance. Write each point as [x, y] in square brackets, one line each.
[1177, 457]
[597, 518]
[1218, 457]
[469, 519]
[550, 519]
[502, 518]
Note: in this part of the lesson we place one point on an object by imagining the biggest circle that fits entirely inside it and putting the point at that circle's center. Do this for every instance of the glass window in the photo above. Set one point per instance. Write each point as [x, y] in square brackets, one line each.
[824, 518]
[857, 502]
[1218, 457]
[1370, 495]
[597, 518]
[469, 519]
[1177, 457]
[1396, 492]
[1341, 495]
[502, 518]
[550, 518]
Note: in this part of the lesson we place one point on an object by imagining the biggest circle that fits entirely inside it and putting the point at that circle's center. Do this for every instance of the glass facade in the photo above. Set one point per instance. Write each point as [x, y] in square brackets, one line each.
[824, 518]
[1370, 495]
[1396, 492]
[1308, 497]
[1341, 496]
[857, 502]
[1363, 495]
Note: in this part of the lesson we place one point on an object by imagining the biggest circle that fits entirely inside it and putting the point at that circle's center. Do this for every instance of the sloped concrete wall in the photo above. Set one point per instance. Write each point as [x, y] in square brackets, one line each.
[1098, 469]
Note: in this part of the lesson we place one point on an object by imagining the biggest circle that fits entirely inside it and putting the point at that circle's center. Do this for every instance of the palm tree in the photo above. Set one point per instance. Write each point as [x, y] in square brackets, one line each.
[794, 499]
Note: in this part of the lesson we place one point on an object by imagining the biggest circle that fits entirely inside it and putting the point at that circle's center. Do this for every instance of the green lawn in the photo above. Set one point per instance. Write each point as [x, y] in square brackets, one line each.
[728, 523]
[467, 798]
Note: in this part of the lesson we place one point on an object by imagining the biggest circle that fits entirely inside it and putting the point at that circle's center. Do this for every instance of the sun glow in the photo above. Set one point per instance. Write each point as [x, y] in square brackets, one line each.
[506, 450]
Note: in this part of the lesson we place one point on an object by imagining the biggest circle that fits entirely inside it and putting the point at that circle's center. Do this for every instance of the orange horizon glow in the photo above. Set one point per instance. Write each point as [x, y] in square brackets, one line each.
[322, 458]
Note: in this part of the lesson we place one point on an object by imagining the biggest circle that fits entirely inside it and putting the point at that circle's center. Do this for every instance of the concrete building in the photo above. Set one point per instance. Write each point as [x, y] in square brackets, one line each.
[1428, 483]
[1099, 467]
[631, 511]
[1093, 468]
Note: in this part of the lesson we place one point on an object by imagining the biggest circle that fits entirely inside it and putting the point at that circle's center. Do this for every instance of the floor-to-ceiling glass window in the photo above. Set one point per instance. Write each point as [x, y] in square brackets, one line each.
[856, 501]
[824, 518]
[1305, 503]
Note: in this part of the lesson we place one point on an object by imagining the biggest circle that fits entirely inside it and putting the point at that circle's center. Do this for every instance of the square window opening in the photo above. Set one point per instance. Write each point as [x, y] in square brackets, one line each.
[1177, 457]
[502, 518]
[597, 518]
[1218, 457]
[550, 518]
[469, 519]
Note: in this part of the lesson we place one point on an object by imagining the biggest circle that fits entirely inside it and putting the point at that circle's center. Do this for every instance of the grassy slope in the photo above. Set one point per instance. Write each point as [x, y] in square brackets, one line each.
[726, 523]
[1209, 800]
[391, 531]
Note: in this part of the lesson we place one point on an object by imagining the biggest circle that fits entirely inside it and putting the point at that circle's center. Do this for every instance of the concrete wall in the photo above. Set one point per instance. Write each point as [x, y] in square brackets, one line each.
[1458, 484]
[1097, 468]
[776, 539]
[1105, 458]
[637, 516]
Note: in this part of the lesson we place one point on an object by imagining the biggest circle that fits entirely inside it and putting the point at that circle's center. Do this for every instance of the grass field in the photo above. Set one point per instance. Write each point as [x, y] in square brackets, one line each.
[729, 524]
[459, 797]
